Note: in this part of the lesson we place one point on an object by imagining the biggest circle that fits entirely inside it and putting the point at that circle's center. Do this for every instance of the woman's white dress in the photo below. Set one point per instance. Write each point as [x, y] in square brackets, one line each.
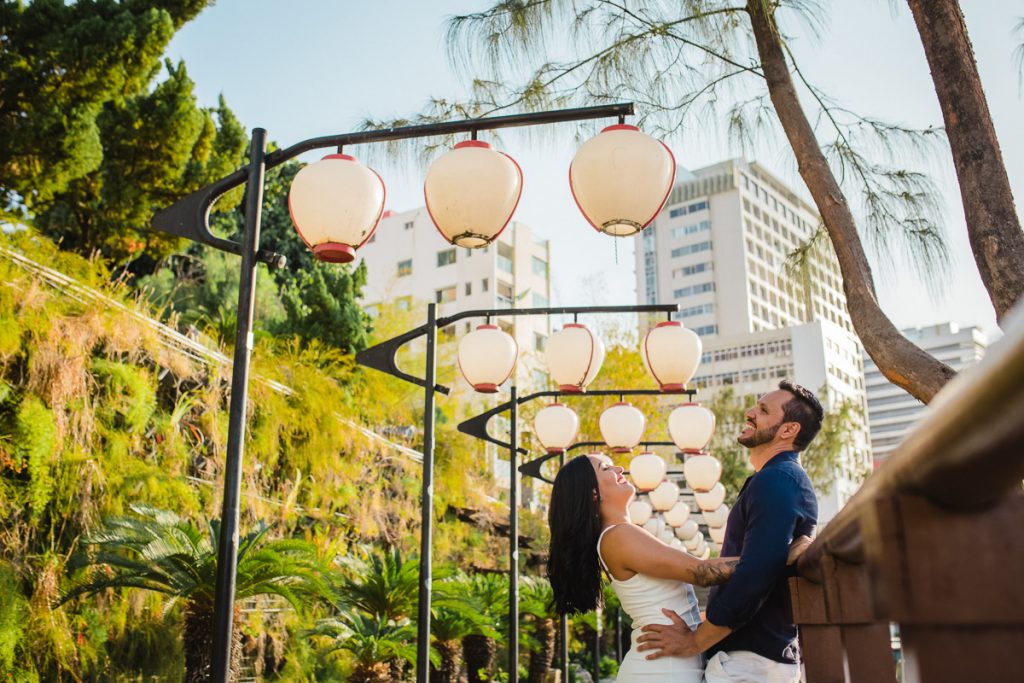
[642, 598]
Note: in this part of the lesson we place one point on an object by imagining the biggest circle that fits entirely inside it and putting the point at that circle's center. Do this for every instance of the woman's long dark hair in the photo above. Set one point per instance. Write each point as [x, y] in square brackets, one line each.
[575, 520]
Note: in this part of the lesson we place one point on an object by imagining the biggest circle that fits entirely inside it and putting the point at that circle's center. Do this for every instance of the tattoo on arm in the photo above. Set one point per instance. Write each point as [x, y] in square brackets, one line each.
[714, 572]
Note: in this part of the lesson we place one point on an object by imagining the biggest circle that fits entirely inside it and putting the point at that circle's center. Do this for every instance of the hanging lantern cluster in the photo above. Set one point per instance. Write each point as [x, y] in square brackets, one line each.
[620, 179]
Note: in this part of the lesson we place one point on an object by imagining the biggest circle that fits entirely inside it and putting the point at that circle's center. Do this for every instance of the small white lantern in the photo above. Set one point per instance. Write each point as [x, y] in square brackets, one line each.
[686, 530]
[671, 354]
[647, 470]
[702, 472]
[693, 543]
[622, 426]
[677, 544]
[677, 514]
[654, 526]
[691, 426]
[556, 426]
[666, 535]
[710, 500]
[471, 193]
[717, 534]
[574, 356]
[664, 496]
[640, 512]
[487, 357]
[335, 205]
[717, 517]
[706, 554]
[620, 179]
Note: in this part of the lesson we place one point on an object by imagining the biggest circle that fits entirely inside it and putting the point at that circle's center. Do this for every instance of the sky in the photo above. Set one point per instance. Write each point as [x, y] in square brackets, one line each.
[306, 68]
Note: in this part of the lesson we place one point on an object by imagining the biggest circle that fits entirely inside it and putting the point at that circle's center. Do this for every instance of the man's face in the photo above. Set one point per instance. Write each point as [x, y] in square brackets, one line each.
[764, 419]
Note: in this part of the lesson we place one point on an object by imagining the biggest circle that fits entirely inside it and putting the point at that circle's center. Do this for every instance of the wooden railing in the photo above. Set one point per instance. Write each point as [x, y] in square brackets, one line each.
[933, 542]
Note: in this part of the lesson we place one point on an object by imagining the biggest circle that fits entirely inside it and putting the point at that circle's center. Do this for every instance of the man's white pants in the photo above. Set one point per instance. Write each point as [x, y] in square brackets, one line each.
[742, 666]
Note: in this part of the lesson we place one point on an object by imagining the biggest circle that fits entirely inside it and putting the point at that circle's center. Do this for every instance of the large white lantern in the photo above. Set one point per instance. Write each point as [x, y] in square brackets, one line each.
[677, 514]
[640, 511]
[710, 500]
[717, 534]
[574, 355]
[655, 525]
[622, 426]
[691, 426]
[335, 205]
[717, 517]
[620, 179]
[687, 530]
[671, 354]
[487, 357]
[702, 472]
[664, 496]
[472, 192]
[556, 426]
[647, 470]
[666, 535]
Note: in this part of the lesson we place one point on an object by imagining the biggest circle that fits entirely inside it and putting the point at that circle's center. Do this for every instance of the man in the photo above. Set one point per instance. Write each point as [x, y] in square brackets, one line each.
[749, 634]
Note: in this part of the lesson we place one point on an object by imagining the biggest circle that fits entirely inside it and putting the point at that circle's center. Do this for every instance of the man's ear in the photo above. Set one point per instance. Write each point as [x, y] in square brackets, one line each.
[790, 430]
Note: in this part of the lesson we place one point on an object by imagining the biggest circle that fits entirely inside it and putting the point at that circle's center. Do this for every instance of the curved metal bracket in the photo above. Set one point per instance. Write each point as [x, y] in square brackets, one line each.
[382, 357]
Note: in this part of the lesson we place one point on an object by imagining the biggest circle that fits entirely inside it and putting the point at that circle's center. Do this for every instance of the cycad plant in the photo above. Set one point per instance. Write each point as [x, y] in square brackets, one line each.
[487, 595]
[158, 551]
[373, 641]
[382, 585]
[537, 602]
[455, 618]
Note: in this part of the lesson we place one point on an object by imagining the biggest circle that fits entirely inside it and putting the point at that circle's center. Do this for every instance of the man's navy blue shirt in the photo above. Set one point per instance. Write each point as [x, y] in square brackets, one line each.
[775, 505]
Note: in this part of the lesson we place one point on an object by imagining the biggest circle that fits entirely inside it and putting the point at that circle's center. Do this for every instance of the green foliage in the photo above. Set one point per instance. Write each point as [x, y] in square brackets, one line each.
[13, 618]
[36, 437]
[382, 585]
[320, 303]
[370, 639]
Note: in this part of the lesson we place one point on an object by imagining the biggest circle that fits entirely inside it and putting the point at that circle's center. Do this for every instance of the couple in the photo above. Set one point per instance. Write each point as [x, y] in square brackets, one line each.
[748, 634]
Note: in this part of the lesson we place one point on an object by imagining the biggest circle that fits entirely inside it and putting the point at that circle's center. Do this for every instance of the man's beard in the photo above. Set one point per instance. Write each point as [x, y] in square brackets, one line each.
[760, 436]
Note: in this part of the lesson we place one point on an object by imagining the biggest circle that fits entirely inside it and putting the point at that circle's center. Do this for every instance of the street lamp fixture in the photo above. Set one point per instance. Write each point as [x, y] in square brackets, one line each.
[487, 357]
[621, 178]
[471, 193]
[622, 426]
[574, 356]
[671, 353]
[647, 470]
[556, 426]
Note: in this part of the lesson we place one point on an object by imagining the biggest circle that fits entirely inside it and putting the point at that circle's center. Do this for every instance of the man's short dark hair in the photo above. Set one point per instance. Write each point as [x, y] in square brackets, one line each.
[804, 409]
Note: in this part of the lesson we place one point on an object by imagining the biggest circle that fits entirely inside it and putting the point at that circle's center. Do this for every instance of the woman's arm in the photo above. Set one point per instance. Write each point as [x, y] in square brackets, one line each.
[629, 550]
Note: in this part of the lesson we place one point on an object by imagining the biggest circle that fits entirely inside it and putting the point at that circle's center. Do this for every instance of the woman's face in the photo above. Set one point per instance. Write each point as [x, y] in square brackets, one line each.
[612, 485]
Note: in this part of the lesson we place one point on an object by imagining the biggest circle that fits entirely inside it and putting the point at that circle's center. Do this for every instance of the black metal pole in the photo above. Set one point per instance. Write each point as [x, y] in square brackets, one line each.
[227, 548]
[564, 625]
[618, 634]
[597, 645]
[513, 541]
[427, 502]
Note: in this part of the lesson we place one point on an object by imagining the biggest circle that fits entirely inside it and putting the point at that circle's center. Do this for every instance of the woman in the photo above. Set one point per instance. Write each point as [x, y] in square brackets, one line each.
[591, 531]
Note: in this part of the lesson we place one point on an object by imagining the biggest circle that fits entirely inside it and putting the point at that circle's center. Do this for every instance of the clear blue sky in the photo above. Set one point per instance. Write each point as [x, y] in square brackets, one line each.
[313, 67]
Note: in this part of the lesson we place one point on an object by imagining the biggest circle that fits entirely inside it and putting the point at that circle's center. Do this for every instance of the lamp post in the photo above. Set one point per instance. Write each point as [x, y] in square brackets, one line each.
[189, 218]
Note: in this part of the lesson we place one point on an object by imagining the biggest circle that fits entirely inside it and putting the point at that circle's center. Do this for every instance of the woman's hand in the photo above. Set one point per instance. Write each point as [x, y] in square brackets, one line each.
[797, 548]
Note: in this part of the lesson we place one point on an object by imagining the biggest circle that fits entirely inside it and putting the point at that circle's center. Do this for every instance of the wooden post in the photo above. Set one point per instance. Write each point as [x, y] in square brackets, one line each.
[953, 582]
[820, 639]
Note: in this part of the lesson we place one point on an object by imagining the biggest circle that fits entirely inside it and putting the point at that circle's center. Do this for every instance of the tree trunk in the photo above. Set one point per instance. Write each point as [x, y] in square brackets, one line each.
[479, 652]
[451, 663]
[902, 363]
[198, 642]
[541, 658]
[377, 672]
[992, 223]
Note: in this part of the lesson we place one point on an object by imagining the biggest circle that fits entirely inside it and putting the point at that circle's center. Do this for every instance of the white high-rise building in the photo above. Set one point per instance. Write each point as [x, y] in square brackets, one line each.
[719, 249]
[892, 412]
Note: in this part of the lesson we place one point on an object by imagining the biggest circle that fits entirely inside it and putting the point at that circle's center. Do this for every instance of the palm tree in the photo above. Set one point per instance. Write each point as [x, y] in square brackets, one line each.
[487, 595]
[382, 585]
[373, 641]
[453, 619]
[158, 551]
[537, 602]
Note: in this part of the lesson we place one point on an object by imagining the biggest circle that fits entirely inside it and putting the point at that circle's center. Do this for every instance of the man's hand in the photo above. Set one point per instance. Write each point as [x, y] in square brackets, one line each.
[797, 548]
[669, 640]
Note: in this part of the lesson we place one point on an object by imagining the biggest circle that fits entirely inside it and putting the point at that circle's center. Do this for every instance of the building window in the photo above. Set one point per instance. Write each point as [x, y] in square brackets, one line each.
[691, 249]
[405, 268]
[445, 295]
[469, 288]
[691, 229]
[539, 300]
[484, 285]
[539, 341]
[505, 257]
[694, 269]
[695, 289]
[446, 257]
[408, 225]
[404, 303]
[540, 266]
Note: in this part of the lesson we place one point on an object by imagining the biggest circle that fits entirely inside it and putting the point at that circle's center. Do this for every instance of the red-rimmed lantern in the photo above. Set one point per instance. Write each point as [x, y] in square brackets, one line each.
[671, 354]
[471, 193]
[574, 356]
[620, 179]
[622, 427]
[710, 499]
[556, 426]
[691, 427]
[335, 205]
[487, 357]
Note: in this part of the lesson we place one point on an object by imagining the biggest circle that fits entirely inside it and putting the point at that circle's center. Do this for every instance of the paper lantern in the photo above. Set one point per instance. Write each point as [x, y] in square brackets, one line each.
[693, 543]
[666, 535]
[654, 526]
[677, 514]
[671, 354]
[710, 500]
[622, 427]
[574, 356]
[706, 554]
[717, 517]
[647, 470]
[701, 472]
[686, 530]
[664, 496]
[335, 205]
[556, 426]
[620, 179]
[640, 512]
[691, 427]
[717, 534]
[487, 357]
[471, 193]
